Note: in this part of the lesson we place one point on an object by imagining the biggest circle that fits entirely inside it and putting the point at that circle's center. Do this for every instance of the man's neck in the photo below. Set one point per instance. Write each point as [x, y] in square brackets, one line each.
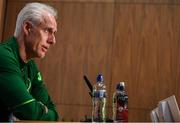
[22, 50]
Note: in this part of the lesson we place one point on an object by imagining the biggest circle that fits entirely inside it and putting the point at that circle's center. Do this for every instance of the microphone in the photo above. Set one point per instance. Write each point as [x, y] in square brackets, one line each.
[89, 85]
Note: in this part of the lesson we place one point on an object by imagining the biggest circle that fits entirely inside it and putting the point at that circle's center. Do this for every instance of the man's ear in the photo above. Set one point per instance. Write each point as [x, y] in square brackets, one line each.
[27, 27]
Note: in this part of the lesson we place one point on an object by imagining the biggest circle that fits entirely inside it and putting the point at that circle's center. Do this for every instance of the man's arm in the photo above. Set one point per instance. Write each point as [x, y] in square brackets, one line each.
[14, 94]
[39, 90]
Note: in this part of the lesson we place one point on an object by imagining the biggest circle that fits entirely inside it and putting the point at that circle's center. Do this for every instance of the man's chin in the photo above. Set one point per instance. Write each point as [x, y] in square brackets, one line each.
[41, 56]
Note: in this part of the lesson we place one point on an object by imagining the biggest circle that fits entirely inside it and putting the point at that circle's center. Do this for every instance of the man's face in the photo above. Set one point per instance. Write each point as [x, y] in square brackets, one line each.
[40, 37]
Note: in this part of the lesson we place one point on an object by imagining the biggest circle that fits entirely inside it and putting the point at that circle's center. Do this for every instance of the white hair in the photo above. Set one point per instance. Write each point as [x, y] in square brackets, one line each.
[34, 13]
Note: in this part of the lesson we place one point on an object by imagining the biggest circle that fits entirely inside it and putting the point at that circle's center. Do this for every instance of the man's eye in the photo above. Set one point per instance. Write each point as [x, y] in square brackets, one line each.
[46, 30]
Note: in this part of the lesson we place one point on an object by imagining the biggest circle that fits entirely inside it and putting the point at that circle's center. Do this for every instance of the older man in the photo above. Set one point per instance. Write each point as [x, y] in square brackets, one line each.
[22, 92]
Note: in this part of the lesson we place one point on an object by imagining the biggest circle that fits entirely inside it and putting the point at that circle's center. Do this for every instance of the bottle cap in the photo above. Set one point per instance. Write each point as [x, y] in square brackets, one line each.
[120, 86]
[100, 78]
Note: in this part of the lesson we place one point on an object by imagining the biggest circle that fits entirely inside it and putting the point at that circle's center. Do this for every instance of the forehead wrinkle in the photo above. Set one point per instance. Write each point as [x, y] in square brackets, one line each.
[47, 17]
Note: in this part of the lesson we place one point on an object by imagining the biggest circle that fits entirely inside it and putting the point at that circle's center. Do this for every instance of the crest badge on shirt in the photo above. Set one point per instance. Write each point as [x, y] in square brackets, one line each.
[39, 76]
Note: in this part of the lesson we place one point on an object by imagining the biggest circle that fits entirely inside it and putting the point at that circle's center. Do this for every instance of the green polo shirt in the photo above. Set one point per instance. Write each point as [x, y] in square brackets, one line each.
[22, 91]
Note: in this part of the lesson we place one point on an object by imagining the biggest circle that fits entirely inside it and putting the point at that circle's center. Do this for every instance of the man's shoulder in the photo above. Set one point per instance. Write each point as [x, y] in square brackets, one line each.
[6, 53]
[6, 47]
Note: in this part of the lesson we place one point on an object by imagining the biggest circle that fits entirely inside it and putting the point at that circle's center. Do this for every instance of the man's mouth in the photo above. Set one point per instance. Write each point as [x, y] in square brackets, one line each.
[44, 48]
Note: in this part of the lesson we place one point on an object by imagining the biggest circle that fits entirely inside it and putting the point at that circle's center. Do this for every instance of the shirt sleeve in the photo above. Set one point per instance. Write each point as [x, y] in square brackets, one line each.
[14, 95]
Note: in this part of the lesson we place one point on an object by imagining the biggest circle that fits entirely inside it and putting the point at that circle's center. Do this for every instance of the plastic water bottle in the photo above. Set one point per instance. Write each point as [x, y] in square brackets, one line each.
[120, 104]
[99, 100]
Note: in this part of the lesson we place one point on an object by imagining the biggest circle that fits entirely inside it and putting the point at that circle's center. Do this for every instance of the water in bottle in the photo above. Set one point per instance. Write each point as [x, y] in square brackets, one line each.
[120, 104]
[99, 100]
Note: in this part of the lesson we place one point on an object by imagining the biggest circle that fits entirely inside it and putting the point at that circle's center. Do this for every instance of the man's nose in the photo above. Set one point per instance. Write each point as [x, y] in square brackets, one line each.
[52, 39]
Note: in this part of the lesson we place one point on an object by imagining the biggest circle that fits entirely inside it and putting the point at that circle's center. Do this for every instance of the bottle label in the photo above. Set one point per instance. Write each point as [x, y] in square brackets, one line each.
[121, 112]
[99, 94]
[121, 108]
